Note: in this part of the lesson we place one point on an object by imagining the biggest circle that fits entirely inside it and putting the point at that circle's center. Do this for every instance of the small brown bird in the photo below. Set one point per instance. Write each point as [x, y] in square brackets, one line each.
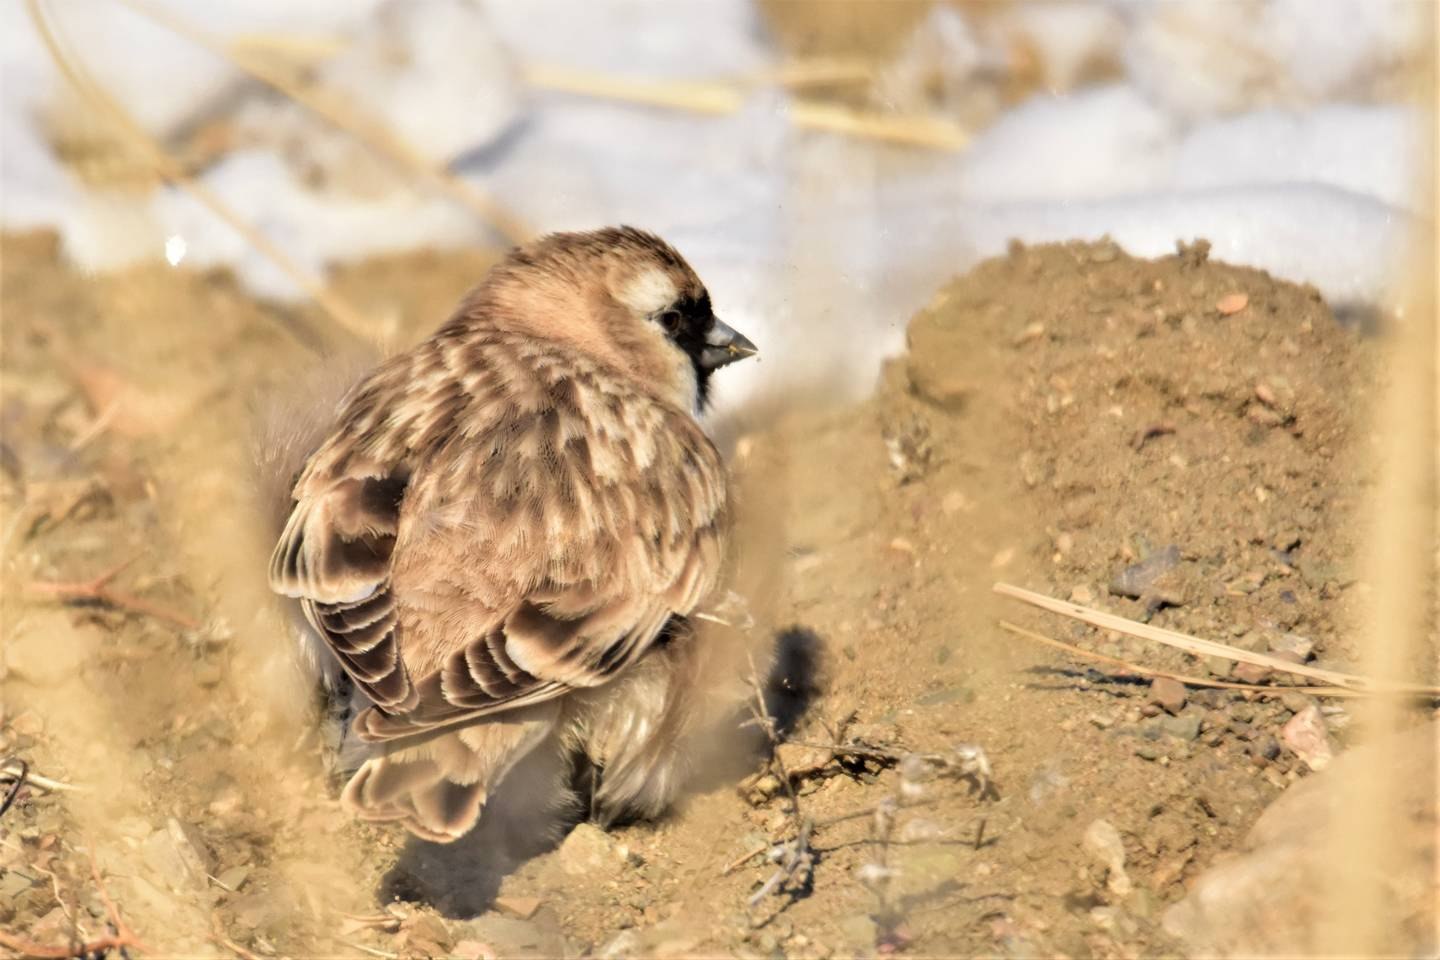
[504, 528]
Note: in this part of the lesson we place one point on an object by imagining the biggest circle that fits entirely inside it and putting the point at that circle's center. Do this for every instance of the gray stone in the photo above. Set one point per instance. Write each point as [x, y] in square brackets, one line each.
[1135, 580]
[234, 878]
[176, 856]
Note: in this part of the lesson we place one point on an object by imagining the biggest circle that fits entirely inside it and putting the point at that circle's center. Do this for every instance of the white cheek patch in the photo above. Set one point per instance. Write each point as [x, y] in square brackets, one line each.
[650, 291]
[687, 395]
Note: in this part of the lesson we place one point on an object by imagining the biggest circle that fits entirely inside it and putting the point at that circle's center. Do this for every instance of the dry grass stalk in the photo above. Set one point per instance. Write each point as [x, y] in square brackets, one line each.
[1189, 681]
[344, 116]
[1208, 648]
[1402, 565]
[303, 51]
[815, 72]
[715, 97]
[724, 98]
[171, 171]
[931, 133]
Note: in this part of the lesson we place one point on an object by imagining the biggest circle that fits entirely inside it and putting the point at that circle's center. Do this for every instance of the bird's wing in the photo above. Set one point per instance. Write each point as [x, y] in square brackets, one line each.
[334, 556]
[523, 554]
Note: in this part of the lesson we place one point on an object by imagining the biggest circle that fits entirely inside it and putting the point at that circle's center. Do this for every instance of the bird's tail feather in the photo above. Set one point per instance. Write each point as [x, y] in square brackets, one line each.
[438, 787]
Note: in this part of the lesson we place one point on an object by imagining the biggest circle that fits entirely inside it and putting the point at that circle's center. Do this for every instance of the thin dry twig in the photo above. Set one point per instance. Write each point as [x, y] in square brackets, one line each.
[339, 310]
[1261, 689]
[40, 951]
[387, 921]
[117, 923]
[121, 937]
[964, 761]
[1208, 648]
[33, 779]
[98, 426]
[55, 891]
[98, 590]
[1145, 435]
[745, 858]
[795, 862]
[218, 934]
[385, 954]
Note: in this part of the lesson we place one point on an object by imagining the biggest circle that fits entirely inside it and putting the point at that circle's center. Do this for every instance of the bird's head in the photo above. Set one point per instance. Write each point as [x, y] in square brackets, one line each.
[624, 297]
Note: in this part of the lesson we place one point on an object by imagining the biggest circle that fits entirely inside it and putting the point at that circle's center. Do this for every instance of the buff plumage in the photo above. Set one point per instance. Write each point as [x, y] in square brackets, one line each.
[502, 533]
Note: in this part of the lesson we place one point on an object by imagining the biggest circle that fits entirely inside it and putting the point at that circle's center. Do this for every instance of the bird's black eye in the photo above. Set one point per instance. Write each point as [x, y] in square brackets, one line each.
[670, 320]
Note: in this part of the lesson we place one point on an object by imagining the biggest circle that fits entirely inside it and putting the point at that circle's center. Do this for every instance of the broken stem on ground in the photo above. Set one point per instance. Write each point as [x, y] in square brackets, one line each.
[1263, 690]
[1208, 648]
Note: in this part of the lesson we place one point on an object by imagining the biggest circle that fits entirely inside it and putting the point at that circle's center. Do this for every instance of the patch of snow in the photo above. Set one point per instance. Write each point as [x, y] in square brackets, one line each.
[1375, 151]
[1198, 58]
[640, 38]
[435, 70]
[1094, 143]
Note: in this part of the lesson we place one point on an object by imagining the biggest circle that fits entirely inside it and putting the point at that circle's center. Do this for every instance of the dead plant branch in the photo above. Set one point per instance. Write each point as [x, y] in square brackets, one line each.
[98, 590]
[117, 923]
[120, 938]
[40, 951]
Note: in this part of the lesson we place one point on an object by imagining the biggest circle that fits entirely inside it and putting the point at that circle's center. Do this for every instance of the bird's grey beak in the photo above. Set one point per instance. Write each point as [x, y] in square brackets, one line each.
[724, 345]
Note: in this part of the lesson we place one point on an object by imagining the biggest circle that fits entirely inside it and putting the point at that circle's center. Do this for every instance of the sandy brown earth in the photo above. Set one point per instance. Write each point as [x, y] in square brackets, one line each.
[1177, 441]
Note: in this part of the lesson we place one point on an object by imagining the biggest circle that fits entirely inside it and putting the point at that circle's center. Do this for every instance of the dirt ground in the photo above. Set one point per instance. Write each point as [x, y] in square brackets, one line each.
[1178, 441]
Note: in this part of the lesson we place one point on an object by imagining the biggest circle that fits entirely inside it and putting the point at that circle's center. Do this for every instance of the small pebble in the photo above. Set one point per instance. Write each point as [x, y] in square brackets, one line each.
[1251, 673]
[1219, 666]
[1102, 841]
[1307, 737]
[1167, 693]
[1135, 580]
[1184, 727]
[1302, 647]
[1232, 303]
